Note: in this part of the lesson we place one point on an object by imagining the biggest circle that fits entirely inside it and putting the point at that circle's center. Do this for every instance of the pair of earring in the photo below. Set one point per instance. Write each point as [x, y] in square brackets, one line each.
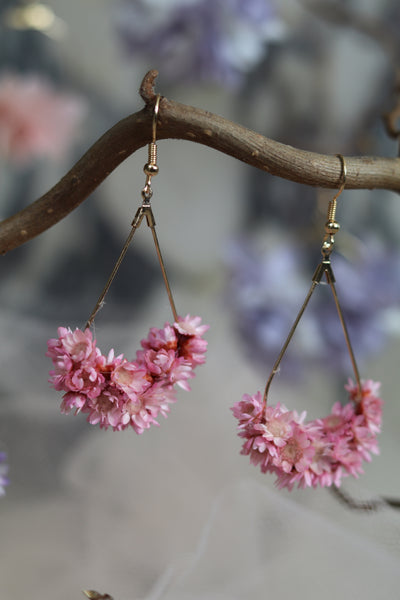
[322, 451]
[118, 393]
[112, 390]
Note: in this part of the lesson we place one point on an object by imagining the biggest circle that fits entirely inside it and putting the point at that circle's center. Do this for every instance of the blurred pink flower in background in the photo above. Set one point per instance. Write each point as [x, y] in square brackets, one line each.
[36, 121]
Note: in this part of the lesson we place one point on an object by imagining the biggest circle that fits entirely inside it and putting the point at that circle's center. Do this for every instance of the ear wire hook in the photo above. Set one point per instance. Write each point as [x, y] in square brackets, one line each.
[145, 210]
[331, 228]
[331, 225]
[151, 167]
[155, 117]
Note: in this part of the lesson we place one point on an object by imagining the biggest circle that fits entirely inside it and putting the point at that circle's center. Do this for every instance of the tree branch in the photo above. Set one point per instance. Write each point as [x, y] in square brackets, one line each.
[183, 122]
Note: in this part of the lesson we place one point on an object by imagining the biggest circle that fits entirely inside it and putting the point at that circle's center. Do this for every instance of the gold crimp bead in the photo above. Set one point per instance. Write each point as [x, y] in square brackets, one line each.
[332, 227]
[151, 167]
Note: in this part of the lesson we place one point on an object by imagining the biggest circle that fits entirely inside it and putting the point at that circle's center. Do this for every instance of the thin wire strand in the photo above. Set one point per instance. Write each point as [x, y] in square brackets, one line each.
[155, 118]
[346, 335]
[275, 368]
[323, 267]
[344, 175]
[164, 272]
[117, 265]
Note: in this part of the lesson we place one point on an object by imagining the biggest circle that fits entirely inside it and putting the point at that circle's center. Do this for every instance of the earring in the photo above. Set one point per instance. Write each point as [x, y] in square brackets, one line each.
[322, 451]
[111, 390]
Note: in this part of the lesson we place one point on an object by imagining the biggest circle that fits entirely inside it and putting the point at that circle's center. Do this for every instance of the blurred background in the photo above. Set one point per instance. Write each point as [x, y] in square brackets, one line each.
[178, 512]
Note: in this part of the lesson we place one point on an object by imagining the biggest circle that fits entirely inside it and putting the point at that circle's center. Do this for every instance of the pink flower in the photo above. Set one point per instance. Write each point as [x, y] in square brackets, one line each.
[296, 454]
[85, 379]
[72, 400]
[368, 388]
[313, 453]
[278, 427]
[118, 393]
[76, 345]
[35, 120]
[101, 408]
[79, 345]
[339, 421]
[158, 398]
[190, 326]
[249, 409]
[345, 455]
[194, 349]
[161, 338]
[159, 363]
[130, 378]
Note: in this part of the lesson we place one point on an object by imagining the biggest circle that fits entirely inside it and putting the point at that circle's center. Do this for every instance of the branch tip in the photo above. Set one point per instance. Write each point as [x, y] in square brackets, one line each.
[146, 90]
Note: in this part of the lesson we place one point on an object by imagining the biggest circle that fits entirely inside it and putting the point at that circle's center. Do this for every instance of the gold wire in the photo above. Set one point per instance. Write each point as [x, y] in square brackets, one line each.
[275, 368]
[117, 265]
[323, 267]
[144, 210]
[152, 154]
[164, 272]
[333, 203]
[155, 117]
[346, 335]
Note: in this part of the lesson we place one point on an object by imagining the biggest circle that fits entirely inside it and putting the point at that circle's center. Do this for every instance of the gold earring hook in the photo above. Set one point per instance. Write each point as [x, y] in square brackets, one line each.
[331, 225]
[145, 210]
[333, 202]
[155, 117]
[343, 176]
[151, 167]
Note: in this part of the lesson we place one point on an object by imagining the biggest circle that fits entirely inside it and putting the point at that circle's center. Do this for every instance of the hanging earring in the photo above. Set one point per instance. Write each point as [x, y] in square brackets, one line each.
[111, 390]
[322, 451]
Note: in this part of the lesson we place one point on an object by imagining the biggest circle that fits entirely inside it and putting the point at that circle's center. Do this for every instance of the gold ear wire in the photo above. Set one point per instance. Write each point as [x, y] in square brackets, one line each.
[155, 117]
[343, 176]
[145, 210]
[331, 225]
[324, 268]
[151, 167]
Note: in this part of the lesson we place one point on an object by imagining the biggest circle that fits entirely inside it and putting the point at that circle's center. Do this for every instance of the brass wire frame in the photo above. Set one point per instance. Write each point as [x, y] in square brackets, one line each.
[145, 210]
[324, 267]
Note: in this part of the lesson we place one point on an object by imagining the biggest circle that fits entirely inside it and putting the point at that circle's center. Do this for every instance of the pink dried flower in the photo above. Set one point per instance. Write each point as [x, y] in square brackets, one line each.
[278, 427]
[128, 377]
[191, 326]
[118, 393]
[313, 453]
[72, 400]
[35, 120]
[296, 454]
[250, 408]
[161, 338]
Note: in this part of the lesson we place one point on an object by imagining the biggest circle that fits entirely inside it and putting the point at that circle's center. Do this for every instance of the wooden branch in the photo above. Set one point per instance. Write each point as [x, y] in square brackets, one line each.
[187, 123]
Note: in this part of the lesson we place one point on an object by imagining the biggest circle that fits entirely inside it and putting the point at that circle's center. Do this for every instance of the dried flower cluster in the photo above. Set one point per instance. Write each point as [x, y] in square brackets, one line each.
[312, 453]
[118, 393]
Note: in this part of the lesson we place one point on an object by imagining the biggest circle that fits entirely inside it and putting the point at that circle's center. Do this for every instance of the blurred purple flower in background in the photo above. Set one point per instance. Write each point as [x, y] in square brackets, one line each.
[266, 291]
[199, 40]
[3, 473]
